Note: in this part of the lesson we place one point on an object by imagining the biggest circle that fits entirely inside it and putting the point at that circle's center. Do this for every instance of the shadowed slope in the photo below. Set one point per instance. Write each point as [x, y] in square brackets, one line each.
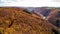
[54, 17]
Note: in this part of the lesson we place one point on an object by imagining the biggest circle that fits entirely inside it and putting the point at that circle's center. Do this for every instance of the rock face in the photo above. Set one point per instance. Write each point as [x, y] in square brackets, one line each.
[17, 21]
[54, 17]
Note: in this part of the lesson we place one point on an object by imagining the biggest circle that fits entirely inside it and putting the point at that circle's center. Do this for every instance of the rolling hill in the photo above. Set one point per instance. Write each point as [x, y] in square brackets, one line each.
[17, 21]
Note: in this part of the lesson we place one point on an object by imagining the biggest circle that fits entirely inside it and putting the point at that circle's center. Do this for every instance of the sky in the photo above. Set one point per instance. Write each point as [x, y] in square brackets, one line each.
[30, 3]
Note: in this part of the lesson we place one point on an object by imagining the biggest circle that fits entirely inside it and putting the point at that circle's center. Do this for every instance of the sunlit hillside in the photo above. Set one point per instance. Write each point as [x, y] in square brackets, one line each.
[18, 21]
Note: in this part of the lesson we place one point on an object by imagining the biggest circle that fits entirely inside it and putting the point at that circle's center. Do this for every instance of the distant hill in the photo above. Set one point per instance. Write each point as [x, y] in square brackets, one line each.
[54, 17]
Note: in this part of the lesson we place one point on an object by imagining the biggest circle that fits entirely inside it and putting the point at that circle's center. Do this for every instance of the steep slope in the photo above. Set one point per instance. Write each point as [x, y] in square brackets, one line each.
[14, 21]
[54, 17]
